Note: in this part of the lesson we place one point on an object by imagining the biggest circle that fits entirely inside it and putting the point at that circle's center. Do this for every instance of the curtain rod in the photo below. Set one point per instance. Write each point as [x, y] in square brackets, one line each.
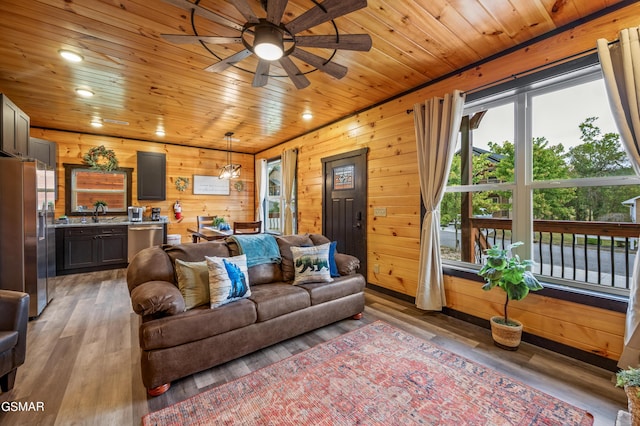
[532, 70]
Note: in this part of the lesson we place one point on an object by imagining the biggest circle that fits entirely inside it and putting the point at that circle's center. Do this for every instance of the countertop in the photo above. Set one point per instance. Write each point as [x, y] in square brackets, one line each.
[106, 222]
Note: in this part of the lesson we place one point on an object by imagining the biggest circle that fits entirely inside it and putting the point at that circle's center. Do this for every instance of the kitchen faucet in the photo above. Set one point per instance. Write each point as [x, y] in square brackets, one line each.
[95, 212]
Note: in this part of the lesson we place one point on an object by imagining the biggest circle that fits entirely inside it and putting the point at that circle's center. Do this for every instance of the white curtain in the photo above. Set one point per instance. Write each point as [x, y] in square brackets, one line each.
[437, 122]
[289, 164]
[261, 189]
[621, 69]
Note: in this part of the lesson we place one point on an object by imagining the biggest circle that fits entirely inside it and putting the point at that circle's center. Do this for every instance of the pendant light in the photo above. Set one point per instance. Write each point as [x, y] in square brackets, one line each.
[230, 170]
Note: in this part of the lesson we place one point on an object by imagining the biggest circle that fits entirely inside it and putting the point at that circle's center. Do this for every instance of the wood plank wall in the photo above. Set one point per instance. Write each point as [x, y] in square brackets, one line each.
[393, 241]
[181, 162]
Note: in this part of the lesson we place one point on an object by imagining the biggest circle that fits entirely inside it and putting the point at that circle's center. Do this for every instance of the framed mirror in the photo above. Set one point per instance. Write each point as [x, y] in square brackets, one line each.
[85, 186]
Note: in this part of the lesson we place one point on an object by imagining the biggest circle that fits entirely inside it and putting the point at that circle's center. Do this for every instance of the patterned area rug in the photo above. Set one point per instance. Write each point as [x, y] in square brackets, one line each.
[376, 375]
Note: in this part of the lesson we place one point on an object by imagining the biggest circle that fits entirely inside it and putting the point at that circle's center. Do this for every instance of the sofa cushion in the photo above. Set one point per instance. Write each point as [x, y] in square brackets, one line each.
[157, 297]
[285, 242]
[311, 264]
[319, 239]
[196, 324]
[339, 287]
[193, 282]
[258, 274]
[273, 300]
[197, 252]
[228, 279]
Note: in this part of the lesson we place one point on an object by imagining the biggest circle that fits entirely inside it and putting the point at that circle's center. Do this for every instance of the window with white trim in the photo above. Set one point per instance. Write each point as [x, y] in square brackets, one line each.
[542, 162]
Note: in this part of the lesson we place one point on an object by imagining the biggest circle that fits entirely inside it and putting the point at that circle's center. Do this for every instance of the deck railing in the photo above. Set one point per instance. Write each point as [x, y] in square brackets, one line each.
[600, 253]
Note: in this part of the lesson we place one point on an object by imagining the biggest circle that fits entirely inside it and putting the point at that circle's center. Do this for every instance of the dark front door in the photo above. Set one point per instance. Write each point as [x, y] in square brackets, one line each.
[344, 202]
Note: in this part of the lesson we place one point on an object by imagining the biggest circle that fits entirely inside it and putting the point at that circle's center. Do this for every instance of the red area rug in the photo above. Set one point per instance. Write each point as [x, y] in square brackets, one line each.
[376, 375]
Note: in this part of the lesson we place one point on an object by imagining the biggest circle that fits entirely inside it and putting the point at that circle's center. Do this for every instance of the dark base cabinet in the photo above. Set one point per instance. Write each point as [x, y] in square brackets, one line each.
[90, 248]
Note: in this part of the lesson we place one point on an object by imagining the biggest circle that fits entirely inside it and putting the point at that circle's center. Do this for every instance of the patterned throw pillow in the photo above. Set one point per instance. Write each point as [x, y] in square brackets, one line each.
[228, 279]
[311, 264]
[193, 282]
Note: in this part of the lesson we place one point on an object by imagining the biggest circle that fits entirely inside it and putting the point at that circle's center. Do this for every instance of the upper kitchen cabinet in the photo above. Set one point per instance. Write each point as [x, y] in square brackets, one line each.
[152, 173]
[15, 129]
[44, 151]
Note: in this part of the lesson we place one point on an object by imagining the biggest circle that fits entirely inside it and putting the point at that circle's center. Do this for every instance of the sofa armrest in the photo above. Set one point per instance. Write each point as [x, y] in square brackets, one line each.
[347, 264]
[157, 297]
[14, 316]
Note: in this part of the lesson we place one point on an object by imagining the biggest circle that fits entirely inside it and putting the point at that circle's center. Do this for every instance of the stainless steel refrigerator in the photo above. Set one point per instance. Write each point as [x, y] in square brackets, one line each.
[27, 246]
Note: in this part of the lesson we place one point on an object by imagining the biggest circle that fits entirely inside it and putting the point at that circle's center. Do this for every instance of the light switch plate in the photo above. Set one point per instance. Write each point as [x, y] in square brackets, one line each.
[379, 211]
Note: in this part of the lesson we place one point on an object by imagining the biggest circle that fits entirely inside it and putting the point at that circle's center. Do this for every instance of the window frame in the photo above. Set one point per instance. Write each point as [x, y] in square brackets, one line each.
[281, 201]
[69, 170]
[520, 93]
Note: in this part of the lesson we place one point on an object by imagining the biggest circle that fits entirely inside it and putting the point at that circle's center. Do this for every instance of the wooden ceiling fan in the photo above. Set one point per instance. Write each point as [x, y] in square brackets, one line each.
[271, 40]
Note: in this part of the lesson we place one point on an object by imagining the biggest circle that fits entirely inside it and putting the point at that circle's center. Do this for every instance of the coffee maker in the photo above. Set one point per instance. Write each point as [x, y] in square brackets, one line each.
[155, 213]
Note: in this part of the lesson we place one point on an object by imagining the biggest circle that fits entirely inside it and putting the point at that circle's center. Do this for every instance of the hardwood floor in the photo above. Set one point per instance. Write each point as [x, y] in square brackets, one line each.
[83, 358]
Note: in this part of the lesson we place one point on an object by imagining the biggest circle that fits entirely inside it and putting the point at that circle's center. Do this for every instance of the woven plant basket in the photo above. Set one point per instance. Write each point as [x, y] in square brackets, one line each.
[506, 336]
[633, 404]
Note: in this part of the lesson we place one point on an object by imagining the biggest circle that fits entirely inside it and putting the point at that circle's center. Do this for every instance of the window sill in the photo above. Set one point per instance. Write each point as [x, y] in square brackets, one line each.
[584, 297]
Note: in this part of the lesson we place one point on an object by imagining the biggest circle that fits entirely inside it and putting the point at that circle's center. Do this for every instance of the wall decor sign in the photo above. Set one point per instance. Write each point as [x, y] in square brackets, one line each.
[343, 177]
[210, 185]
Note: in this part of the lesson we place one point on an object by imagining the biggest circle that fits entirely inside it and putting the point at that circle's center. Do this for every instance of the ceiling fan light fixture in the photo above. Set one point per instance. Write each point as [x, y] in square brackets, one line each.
[268, 43]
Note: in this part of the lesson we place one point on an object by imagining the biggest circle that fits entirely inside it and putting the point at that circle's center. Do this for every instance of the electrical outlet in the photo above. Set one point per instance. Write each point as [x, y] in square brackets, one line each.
[379, 211]
[376, 268]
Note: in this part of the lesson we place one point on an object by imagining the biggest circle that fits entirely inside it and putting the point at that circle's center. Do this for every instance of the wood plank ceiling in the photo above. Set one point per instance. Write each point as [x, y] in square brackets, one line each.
[143, 80]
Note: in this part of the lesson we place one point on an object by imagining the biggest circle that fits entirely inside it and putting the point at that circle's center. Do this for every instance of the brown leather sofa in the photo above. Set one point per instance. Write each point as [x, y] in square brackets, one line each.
[175, 343]
[14, 316]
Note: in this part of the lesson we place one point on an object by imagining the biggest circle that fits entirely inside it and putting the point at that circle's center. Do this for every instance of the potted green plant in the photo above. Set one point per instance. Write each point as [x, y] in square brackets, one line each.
[100, 203]
[217, 221]
[506, 270]
[629, 379]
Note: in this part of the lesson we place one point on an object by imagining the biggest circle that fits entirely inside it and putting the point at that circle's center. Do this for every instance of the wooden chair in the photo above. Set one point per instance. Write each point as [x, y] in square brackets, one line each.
[247, 227]
[205, 221]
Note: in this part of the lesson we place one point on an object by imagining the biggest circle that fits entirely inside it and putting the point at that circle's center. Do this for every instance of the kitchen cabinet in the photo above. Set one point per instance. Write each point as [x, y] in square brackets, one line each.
[152, 176]
[15, 129]
[90, 248]
[45, 151]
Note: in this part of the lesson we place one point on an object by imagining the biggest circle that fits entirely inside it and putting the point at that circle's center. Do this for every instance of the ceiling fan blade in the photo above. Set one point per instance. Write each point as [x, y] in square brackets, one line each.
[205, 13]
[262, 73]
[298, 79]
[275, 10]
[186, 39]
[336, 70]
[246, 11]
[360, 42]
[317, 15]
[227, 62]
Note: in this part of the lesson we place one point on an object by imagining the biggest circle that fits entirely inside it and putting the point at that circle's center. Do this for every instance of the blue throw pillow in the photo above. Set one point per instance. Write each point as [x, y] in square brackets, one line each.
[333, 267]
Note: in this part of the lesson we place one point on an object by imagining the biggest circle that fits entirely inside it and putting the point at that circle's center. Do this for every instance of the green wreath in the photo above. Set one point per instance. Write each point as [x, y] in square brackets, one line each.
[182, 183]
[101, 158]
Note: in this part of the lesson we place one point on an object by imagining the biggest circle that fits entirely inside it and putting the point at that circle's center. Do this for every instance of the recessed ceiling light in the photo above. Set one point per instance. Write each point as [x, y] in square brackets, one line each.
[71, 56]
[160, 132]
[96, 122]
[85, 93]
[307, 115]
